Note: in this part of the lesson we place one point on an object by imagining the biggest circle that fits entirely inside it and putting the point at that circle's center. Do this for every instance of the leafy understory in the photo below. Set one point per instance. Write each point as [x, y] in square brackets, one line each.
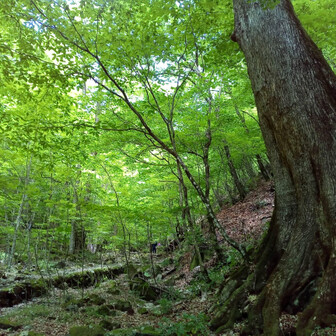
[182, 309]
[167, 166]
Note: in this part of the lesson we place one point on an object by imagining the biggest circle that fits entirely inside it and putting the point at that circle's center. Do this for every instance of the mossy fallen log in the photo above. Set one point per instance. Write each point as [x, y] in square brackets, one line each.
[22, 291]
[87, 278]
[30, 288]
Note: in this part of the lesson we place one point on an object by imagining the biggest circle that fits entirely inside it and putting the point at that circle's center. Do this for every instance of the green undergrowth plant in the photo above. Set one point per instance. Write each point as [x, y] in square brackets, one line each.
[166, 306]
[201, 283]
[217, 274]
[172, 294]
[233, 258]
[198, 285]
[166, 262]
[190, 325]
[26, 314]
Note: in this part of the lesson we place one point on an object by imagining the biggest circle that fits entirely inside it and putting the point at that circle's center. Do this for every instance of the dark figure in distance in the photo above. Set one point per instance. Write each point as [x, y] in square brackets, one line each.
[153, 247]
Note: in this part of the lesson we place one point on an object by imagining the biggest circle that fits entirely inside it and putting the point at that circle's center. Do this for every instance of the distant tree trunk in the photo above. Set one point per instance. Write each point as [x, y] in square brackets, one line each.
[74, 231]
[230, 192]
[119, 217]
[295, 93]
[17, 226]
[263, 169]
[20, 211]
[218, 193]
[77, 235]
[264, 172]
[249, 170]
[186, 216]
[236, 180]
[205, 196]
[29, 229]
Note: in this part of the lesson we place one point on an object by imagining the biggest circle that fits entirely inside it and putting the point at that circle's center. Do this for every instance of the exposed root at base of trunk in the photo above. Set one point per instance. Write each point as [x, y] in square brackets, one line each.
[262, 312]
[313, 317]
[287, 288]
[233, 294]
[321, 312]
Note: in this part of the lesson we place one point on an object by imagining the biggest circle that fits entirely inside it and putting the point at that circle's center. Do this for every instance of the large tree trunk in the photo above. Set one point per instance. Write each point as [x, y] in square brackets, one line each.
[295, 93]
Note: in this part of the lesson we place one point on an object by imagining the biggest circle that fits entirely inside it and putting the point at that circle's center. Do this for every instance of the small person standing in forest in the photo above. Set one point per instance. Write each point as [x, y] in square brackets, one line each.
[153, 247]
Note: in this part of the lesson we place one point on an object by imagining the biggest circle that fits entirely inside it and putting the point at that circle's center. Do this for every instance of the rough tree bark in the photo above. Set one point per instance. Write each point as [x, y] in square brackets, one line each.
[295, 94]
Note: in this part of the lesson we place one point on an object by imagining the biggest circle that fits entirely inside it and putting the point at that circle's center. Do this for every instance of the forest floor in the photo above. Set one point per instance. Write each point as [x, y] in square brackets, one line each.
[185, 310]
[54, 314]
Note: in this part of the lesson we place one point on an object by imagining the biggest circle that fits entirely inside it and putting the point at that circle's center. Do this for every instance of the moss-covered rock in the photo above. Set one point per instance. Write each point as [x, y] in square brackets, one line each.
[33, 333]
[72, 308]
[112, 284]
[112, 288]
[105, 310]
[145, 290]
[122, 305]
[72, 304]
[38, 287]
[147, 331]
[21, 291]
[132, 271]
[121, 332]
[206, 254]
[95, 299]
[94, 330]
[7, 324]
[108, 325]
[142, 310]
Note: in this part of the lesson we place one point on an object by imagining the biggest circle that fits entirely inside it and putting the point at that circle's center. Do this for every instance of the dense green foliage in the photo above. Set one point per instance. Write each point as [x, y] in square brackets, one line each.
[101, 99]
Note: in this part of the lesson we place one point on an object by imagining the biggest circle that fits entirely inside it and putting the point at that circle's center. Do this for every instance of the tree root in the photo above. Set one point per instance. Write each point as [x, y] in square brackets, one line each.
[321, 312]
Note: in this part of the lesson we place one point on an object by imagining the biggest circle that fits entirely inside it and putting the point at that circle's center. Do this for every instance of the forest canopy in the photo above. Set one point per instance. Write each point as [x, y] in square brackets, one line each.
[117, 116]
[128, 125]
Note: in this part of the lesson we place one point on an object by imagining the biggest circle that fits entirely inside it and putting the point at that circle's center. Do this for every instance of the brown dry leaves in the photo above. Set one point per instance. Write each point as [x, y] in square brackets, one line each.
[244, 221]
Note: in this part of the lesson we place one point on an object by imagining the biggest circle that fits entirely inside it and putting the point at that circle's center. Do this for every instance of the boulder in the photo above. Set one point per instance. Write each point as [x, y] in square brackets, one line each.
[145, 290]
